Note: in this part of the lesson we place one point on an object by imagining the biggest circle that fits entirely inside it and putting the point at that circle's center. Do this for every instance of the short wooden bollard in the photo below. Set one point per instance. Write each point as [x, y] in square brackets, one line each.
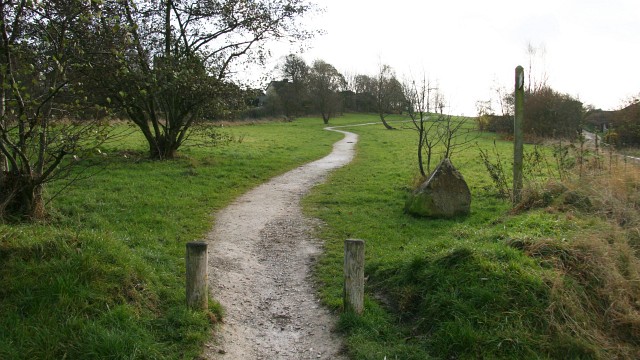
[197, 277]
[354, 276]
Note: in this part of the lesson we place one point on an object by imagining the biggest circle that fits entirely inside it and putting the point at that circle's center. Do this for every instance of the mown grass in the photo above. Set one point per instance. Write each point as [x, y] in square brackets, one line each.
[103, 276]
[467, 288]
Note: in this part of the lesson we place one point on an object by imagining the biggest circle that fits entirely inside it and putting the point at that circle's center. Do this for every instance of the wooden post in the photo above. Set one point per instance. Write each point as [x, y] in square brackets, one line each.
[354, 276]
[518, 139]
[197, 277]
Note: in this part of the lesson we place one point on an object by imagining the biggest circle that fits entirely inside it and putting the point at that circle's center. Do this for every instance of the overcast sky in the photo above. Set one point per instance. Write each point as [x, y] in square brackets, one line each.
[591, 47]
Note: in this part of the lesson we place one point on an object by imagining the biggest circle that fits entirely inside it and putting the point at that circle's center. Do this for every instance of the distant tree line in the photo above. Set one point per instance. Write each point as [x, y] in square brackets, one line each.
[551, 114]
[320, 89]
[548, 114]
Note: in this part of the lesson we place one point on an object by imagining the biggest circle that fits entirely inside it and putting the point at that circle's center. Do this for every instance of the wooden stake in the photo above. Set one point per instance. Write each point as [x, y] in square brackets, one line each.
[518, 132]
[197, 277]
[354, 276]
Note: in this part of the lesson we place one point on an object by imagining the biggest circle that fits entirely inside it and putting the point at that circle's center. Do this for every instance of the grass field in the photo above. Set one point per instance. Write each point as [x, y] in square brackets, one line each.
[467, 287]
[103, 276]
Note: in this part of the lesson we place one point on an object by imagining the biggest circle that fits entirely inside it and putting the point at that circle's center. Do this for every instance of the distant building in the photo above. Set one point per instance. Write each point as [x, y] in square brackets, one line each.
[276, 85]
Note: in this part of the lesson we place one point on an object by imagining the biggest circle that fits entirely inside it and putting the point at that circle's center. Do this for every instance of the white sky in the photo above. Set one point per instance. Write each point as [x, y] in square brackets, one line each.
[592, 47]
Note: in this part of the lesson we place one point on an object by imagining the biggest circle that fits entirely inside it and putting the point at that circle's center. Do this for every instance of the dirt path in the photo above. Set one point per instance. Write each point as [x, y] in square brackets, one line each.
[260, 258]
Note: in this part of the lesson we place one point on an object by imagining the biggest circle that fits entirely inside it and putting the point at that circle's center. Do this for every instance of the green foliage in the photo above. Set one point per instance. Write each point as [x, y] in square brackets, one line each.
[104, 276]
[41, 99]
[322, 89]
[501, 124]
[497, 172]
[626, 123]
[290, 97]
[324, 83]
[551, 114]
[547, 113]
[170, 61]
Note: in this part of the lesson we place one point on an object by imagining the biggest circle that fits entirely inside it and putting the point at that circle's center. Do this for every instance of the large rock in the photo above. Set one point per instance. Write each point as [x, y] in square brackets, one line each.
[444, 194]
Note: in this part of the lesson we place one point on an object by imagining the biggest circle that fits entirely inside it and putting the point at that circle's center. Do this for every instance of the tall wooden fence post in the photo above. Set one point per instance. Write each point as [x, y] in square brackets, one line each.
[354, 276]
[518, 133]
[197, 277]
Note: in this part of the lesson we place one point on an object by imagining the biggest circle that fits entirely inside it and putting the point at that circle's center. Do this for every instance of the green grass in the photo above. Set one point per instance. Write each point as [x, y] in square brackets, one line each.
[444, 289]
[103, 277]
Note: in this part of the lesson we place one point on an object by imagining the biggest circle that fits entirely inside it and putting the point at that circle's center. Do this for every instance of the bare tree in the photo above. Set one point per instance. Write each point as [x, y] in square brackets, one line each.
[418, 96]
[456, 133]
[439, 134]
[536, 56]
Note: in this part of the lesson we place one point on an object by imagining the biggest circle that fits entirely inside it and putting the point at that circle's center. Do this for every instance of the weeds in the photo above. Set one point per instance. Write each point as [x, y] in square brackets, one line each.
[595, 286]
[496, 170]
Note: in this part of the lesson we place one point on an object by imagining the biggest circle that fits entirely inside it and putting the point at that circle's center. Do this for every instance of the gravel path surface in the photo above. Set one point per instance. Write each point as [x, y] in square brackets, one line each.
[260, 259]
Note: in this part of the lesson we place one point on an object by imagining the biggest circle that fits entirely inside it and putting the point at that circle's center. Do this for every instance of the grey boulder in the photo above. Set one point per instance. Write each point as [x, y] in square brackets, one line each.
[444, 194]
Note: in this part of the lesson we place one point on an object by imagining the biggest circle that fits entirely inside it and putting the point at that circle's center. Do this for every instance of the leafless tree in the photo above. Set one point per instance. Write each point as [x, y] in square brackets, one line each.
[536, 55]
[438, 133]
[456, 133]
[418, 95]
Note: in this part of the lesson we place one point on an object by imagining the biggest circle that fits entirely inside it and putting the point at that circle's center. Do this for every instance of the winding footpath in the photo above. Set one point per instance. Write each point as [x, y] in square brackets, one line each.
[261, 253]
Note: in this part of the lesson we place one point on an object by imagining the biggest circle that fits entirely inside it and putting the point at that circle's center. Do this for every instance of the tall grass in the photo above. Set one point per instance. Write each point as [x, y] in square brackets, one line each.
[603, 261]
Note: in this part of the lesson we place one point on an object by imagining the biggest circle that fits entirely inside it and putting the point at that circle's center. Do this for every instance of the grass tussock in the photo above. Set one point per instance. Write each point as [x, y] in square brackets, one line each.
[595, 290]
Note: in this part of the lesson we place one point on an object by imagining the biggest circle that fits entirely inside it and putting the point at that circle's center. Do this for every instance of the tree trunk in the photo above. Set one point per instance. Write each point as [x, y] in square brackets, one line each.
[387, 126]
[167, 31]
[162, 151]
[384, 122]
[420, 147]
[164, 147]
[21, 197]
[4, 164]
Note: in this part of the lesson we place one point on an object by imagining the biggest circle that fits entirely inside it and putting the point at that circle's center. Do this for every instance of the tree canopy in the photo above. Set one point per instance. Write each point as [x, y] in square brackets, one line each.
[43, 105]
[323, 90]
[324, 84]
[548, 113]
[171, 59]
[389, 95]
[168, 64]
